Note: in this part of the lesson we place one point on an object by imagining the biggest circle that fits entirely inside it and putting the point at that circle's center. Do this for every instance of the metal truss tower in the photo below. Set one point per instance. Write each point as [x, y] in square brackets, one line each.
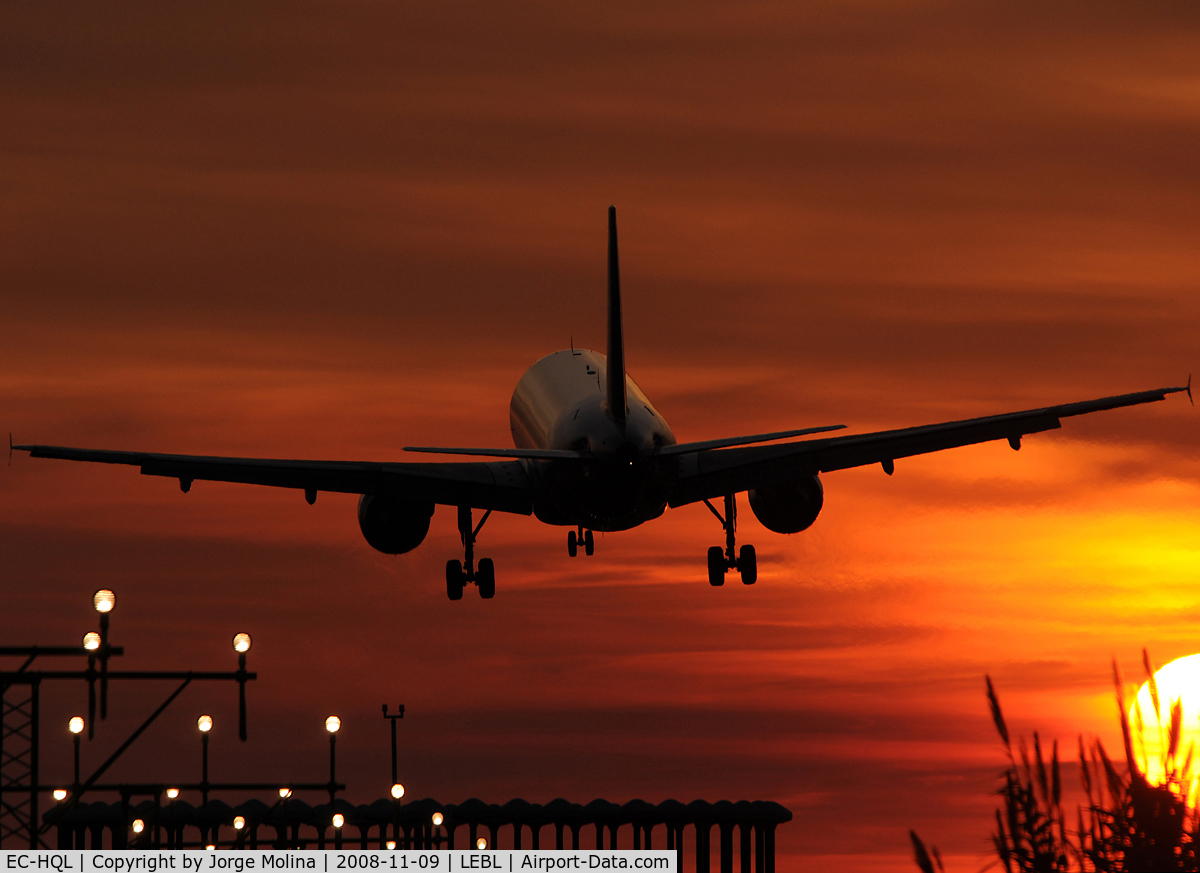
[19, 764]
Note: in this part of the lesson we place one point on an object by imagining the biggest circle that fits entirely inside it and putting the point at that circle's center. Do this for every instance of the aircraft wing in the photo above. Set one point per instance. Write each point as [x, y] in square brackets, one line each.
[500, 485]
[709, 474]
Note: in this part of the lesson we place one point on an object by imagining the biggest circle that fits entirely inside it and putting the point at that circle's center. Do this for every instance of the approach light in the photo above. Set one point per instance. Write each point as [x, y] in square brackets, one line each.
[437, 819]
[138, 825]
[338, 820]
[481, 844]
[204, 723]
[104, 601]
[285, 793]
[241, 643]
[75, 725]
[397, 791]
[391, 844]
[332, 724]
[239, 822]
[91, 641]
[172, 793]
[60, 794]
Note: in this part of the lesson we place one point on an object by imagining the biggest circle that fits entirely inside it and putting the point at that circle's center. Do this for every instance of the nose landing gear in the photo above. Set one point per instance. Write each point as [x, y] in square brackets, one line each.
[720, 561]
[583, 538]
[459, 573]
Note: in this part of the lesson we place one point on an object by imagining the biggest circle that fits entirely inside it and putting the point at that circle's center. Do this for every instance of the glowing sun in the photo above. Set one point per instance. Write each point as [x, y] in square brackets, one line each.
[1178, 683]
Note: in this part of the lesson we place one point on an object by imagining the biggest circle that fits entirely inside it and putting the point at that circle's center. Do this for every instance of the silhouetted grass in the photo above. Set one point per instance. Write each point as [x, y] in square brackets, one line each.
[1127, 824]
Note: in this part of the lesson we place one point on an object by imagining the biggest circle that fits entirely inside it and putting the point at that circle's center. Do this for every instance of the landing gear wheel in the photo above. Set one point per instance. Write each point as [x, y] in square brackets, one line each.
[572, 544]
[589, 543]
[485, 578]
[454, 580]
[747, 565]
[716, 566]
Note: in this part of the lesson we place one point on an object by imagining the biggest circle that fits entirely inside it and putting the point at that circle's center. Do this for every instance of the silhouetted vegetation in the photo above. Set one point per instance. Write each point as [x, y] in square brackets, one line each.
[1127, 823]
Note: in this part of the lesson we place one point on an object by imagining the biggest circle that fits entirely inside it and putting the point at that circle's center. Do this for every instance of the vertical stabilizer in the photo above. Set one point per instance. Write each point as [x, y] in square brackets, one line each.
[616, 342]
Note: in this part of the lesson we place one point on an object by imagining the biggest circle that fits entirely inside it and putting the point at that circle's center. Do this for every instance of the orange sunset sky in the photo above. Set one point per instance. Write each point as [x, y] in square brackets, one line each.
[329, 230]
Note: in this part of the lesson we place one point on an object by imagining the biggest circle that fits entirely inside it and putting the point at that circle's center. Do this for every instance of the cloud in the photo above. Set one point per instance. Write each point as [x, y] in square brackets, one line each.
[318, 231]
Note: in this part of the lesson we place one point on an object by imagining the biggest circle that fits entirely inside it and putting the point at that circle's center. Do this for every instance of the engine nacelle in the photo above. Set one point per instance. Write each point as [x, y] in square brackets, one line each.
[788, 507]
[392, 525]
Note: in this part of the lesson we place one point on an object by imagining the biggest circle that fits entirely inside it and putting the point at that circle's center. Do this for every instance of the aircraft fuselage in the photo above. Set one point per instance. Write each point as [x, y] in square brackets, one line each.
[560, 403]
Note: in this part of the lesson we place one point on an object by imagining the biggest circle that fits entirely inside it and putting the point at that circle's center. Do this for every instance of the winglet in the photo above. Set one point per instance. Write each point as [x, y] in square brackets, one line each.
[1189, 391]
[616, 342]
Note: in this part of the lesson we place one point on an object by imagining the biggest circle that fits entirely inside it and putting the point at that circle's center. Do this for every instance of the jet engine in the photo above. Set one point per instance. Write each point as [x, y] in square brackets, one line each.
[788, 507]
[393, 525]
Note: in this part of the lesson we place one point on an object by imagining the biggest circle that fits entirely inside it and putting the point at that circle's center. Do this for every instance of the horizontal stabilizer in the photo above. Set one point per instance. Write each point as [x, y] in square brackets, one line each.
[684, 448]
[541, 454]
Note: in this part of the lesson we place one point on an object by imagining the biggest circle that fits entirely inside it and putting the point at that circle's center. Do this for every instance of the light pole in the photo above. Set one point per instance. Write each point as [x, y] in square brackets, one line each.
[75, 726]
[172, 796]
[284, 794]
[104, 601]
[338, 821]
[395, 783]
[241, 645]
[332, 725]
[91, 643]
[392, 719]
[397, 792]
[204, 724]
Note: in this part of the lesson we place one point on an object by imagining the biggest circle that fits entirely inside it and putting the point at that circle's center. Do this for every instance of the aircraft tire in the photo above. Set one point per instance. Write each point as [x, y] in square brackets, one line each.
[572, 544]
[454, 580]
[485, 578]
[716, 566]
[589, 543]
[748, 565]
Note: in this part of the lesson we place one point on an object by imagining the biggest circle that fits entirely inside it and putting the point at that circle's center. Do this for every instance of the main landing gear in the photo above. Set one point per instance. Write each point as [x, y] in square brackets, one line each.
[720, 561]
[459, 573]
[583, 538]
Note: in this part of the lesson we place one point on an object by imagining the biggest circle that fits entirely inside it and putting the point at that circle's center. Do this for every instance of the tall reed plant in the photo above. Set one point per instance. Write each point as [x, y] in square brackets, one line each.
[1128, 822]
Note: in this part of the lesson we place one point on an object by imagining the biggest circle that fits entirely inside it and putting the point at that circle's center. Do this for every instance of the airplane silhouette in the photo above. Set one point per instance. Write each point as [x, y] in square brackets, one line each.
[592, 453]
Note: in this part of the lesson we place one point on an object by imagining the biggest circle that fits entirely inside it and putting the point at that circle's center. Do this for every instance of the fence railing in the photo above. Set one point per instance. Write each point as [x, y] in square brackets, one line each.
[745, 829]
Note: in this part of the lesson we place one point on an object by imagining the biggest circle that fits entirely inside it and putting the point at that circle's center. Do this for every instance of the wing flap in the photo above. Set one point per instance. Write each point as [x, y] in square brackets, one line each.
[500, 485]
[729, 471]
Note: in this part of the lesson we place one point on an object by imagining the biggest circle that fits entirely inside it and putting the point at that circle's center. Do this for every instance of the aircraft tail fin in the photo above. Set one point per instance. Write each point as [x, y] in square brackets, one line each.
[616, 342]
